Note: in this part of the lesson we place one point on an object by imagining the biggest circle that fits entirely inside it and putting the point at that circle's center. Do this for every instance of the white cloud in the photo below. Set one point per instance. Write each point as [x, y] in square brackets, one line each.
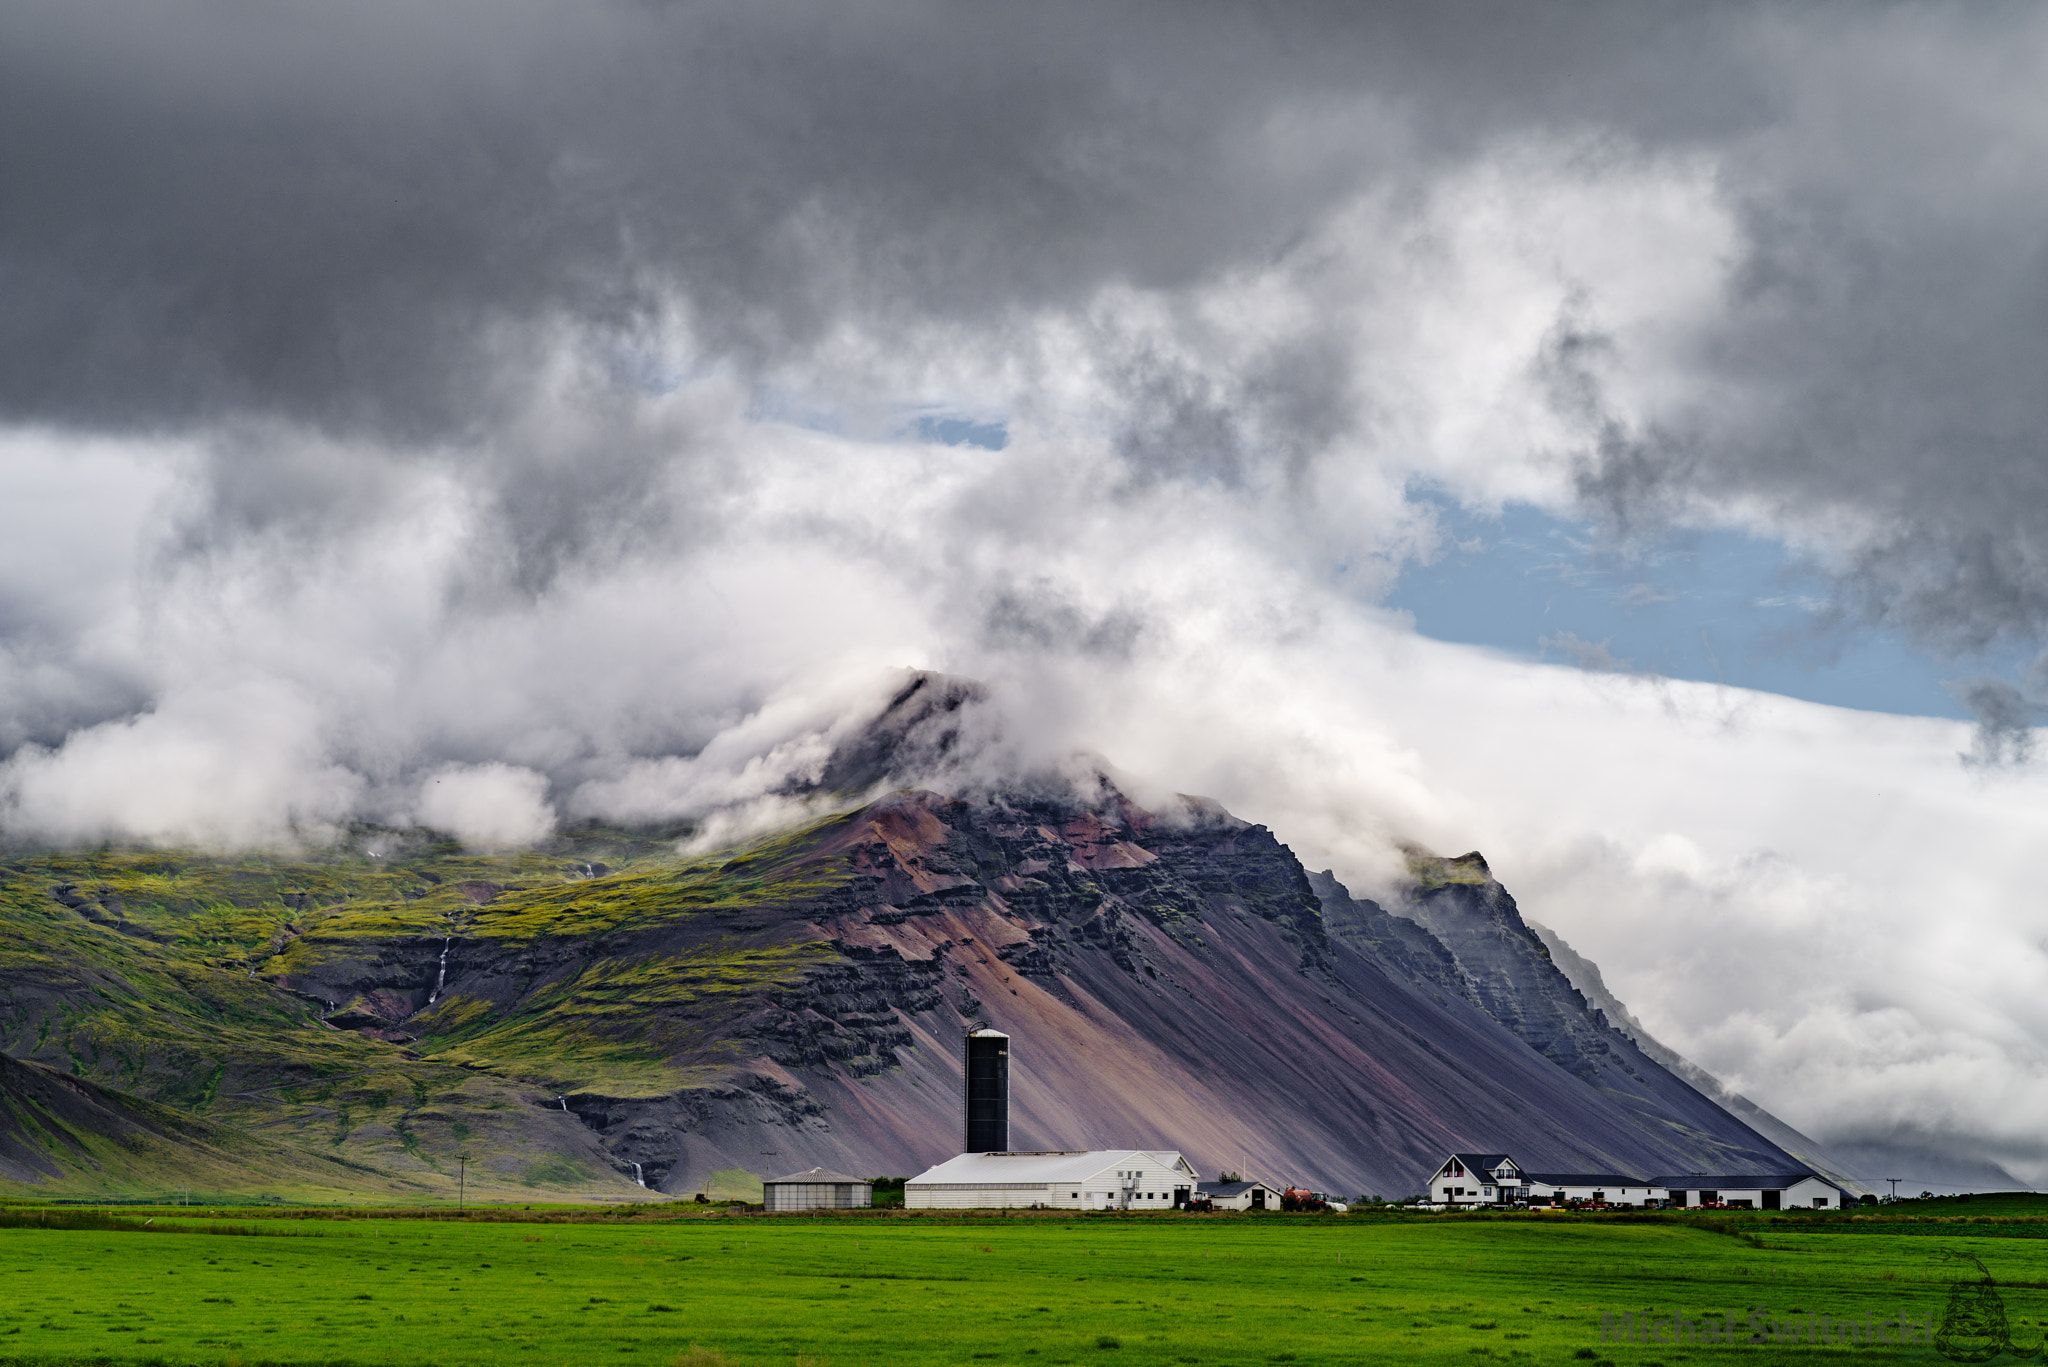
[487, 806]
[239, 765]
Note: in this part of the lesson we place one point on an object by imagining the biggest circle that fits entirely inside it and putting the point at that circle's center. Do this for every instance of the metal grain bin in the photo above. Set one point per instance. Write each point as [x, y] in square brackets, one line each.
[988, 1091]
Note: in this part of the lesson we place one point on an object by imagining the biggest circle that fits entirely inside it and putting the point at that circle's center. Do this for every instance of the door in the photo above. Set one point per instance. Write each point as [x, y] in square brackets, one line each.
[1180, 1198]
[1771, 1199]
[1258, 1198]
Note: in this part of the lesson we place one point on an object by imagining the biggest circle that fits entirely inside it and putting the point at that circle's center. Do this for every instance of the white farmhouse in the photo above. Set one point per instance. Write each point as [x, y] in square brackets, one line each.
[1781, 1191]
[1101, 1179]
[1477, 1179]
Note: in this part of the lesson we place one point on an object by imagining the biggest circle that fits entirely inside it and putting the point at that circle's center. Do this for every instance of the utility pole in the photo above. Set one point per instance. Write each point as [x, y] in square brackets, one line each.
[461, 1181]
[1895, 1186]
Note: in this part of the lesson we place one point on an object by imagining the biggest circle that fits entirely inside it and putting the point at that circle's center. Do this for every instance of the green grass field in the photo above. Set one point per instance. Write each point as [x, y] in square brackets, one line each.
[658, 1285]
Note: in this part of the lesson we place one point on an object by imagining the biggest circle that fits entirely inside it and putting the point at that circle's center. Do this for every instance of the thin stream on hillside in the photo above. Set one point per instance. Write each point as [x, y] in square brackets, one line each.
[441, 972]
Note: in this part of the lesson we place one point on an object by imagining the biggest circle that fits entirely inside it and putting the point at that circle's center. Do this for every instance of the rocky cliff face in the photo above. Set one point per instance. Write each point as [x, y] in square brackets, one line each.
[1459, 930]
[1169, 979]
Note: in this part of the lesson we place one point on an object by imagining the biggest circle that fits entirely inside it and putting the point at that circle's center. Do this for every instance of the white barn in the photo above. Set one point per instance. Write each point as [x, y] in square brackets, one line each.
[1101, 1179]
[1779, 1191]
[1608, 1188]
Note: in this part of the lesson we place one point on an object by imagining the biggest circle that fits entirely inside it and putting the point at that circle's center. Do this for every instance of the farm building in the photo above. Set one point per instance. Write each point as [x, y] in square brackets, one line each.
[1477, 1179]
[1494, 1179]
[817, 1189]
[1784, 1191]
[1102, 1179]
[1608, 1188]
[1239, 1195]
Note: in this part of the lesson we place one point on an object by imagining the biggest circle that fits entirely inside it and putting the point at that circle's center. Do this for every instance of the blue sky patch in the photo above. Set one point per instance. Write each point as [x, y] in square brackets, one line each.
[958, 431]
[1711, 606]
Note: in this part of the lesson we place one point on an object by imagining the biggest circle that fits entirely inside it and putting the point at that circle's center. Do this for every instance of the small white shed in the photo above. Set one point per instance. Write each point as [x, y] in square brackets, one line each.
[817, 1189]
[1239, 1195]
[1099, 1179]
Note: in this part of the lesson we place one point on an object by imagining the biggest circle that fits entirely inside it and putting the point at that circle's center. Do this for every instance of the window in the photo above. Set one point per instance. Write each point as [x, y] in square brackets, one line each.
[1820, 1203]
[1488, 1193]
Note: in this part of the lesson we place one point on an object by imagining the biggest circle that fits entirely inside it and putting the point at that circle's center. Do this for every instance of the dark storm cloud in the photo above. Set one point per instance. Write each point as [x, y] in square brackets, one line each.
[372, 216]
[301, 231]
[2005, 723]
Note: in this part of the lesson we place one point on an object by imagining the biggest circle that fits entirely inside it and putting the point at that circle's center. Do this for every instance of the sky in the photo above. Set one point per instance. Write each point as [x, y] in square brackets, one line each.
[1605, 435]
[1709, 605]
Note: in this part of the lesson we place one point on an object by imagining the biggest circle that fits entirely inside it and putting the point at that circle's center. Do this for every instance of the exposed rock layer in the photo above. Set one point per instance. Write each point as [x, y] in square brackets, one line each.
[1177, 981]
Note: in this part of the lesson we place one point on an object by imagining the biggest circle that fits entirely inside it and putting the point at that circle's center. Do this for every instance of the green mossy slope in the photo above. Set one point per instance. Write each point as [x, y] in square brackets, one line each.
[289, 996]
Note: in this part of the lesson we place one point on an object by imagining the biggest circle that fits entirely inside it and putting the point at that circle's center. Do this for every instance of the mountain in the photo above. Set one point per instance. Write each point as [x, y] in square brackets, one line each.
[564, 1019]
[603, 1012]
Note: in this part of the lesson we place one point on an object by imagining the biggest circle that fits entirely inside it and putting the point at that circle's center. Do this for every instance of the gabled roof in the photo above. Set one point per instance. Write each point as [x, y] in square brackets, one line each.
[1480, 1162]
[1743, 1181]
[1068, 1166]
[1590, 1179]
[813, 1175]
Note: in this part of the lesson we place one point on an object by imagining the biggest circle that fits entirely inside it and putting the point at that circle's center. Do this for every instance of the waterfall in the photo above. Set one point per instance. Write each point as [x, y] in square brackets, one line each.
[441, 974]
[636, 1173]
[565, 1104]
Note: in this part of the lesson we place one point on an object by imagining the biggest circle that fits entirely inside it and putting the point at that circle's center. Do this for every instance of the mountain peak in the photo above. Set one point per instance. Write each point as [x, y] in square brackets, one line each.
[932, 723]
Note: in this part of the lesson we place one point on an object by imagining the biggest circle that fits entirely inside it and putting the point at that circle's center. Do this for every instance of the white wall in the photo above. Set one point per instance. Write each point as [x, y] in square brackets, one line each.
[1096, 1192]
[1800, 1195]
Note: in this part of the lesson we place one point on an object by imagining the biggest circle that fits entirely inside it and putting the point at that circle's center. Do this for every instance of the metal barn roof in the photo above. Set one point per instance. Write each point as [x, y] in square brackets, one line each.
[1064, 1166]
[1743, 1181]
[813, 1175]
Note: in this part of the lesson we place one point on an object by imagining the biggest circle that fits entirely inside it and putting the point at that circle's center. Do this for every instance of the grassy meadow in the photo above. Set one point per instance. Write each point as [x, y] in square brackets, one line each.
[661, 1285]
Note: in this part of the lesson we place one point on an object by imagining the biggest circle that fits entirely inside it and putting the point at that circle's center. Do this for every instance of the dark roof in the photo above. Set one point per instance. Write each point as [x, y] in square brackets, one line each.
[1480, 1162]
[1230, 1188]
[1590, 1179]
[813, 1175]
[1742, 1181]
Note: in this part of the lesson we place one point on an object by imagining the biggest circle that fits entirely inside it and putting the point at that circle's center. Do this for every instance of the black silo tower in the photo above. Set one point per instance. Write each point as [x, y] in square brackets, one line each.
[988, 1091]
